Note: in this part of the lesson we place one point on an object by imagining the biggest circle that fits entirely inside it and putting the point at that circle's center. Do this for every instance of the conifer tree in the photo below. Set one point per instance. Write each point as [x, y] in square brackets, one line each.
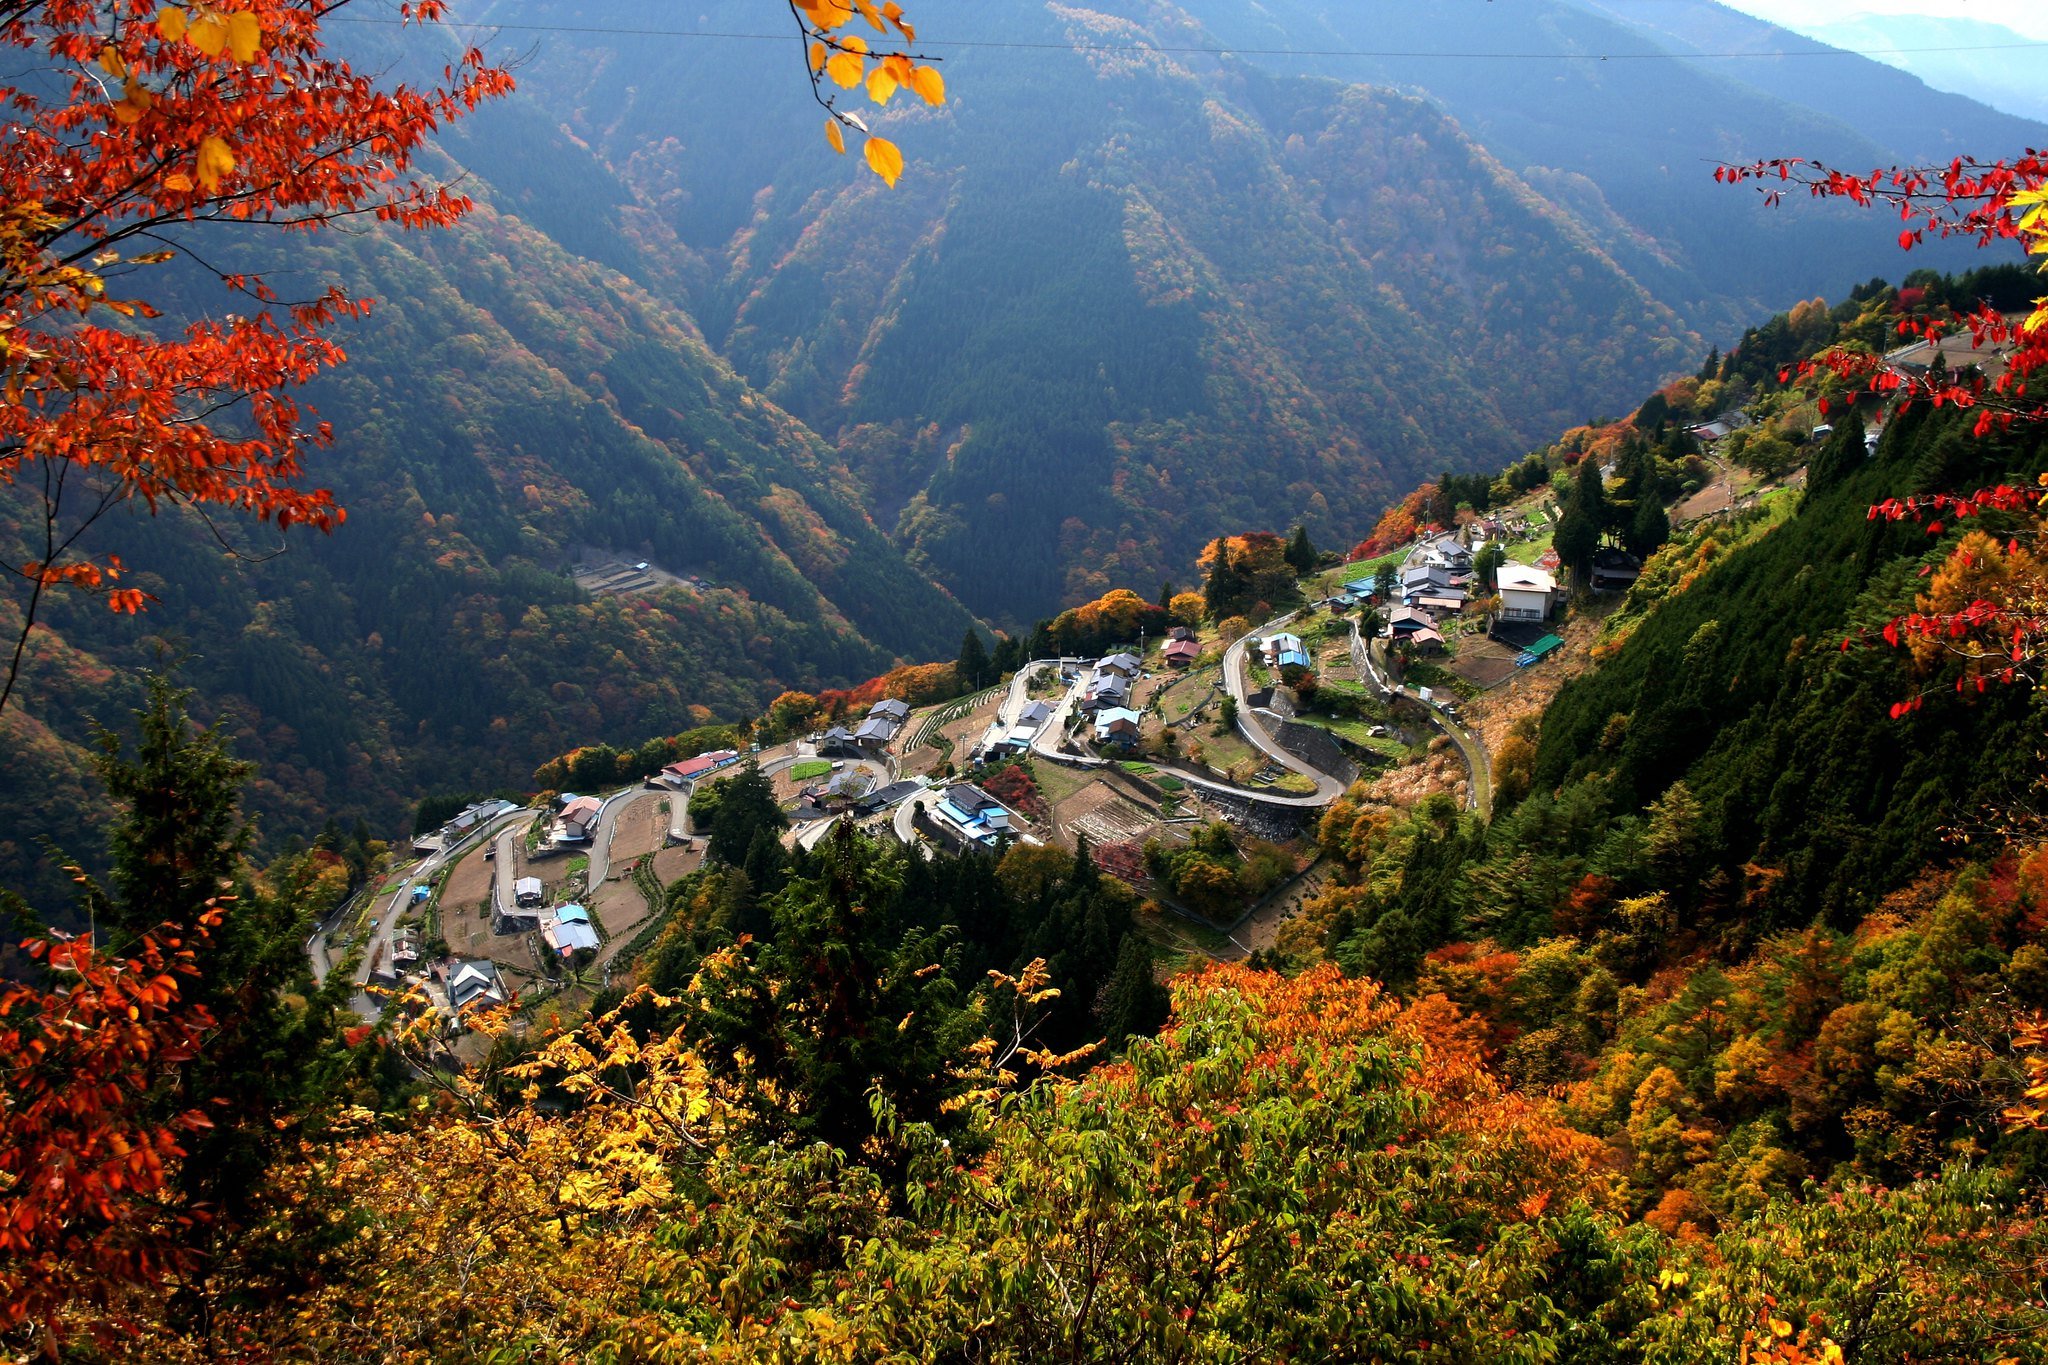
[1134, 1004]
[746, 803]
[1301, 552]
[1224, 589]
[272, 1063]
[1384, 581]
[1649, 528]
[1584, 521]
[973, 665]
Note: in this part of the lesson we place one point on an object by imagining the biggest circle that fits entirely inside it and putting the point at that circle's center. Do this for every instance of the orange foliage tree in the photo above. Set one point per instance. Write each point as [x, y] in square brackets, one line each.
[83, 1160]
[138, 128]
[134, 128]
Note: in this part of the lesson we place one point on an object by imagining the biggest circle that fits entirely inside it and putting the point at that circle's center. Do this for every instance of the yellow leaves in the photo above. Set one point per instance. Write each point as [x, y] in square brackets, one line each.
[208, 33]
[111, 62]
[215, 161]
[844, 68]
[883, 158]
[817, 57]
[179, 182]
[881, 85]
[134, 102]
[239, 34]
[929, 84]
[834, 136]
[826, 14]
[245, 37]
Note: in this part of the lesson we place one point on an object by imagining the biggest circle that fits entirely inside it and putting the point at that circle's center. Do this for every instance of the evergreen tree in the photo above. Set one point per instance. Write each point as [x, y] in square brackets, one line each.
[746, 804]
[1584, 520]
[841, 1005]
[1301, 552]
[1486, 564]
[1134, 1003]
[1838, 457]
[1384, 581]
[1649, 528]
[1711, 369]
[1167, 592]
[1223, 592]
[273, 1062]
[973, 664]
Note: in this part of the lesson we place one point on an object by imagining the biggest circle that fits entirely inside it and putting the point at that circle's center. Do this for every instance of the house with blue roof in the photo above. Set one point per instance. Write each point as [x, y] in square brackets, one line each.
[1118, 725]
[975, 814]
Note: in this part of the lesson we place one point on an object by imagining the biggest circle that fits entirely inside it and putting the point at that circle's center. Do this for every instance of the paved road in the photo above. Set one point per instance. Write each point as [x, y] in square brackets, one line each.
[906, 814]
[1480, 770]
[379, 946]
[615, 805]
[1045, 742]
[1328, 788]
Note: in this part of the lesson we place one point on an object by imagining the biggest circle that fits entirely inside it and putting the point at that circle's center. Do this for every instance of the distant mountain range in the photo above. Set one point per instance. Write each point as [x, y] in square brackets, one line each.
[1268, 271]
[1987, 62]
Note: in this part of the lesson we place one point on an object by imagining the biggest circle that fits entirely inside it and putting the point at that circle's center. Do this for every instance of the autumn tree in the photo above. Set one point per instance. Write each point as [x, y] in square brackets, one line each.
[141, 135]
[87, 1041]
[1987, 615]
[141, 129]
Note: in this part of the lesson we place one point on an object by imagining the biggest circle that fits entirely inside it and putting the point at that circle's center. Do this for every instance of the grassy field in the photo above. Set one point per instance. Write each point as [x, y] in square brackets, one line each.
[816, 767]
[1221, 752]
[579, 863]
[1059, 783]
[1359, 732]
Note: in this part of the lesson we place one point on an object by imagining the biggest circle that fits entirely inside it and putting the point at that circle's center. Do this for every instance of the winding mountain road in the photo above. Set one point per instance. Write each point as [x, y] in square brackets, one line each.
[1479, 795]
[1328, 788]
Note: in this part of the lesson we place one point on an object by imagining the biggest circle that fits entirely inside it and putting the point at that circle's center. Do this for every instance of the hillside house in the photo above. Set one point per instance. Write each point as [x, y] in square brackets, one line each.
[1427, 641]
[1123, 665]
[875, 733]
[892, 709]
[838, 742]
[1104, 689]
[1284, 649]
[1181, 653]
[472, 985]
[1449, 554]
[890, 795]
[577, 822]
[528, 891]
[568, 931]
[1405, 621]
[1614, 569]
[688, 770]
[1118, 725]
[1447, 603]
[405, 949]
[975, 815]
[1525, 594]
[1180, 633]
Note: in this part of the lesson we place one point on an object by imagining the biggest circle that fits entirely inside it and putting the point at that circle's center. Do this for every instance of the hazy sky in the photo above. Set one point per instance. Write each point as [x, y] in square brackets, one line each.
[2024, 16]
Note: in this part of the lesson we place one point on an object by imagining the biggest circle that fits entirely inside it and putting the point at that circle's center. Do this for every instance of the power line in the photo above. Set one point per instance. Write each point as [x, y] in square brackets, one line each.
[1167, 48]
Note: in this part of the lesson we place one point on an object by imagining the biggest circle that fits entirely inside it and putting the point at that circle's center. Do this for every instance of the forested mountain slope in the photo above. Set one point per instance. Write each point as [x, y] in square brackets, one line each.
[505, 404]
[1122, 297]
[1118, 301]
